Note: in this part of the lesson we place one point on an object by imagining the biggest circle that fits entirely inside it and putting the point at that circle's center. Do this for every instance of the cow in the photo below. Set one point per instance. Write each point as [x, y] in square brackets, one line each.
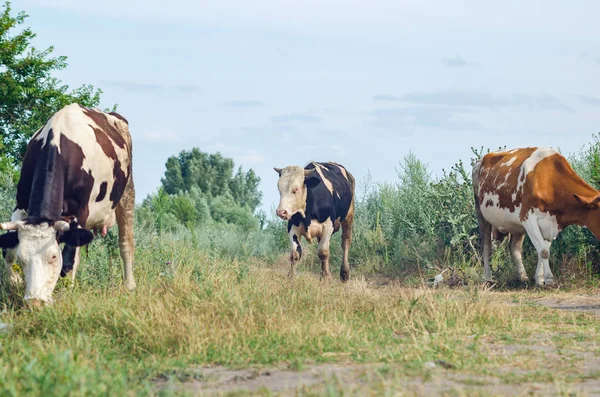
[535, 191]
[316, 200]
[75, 181]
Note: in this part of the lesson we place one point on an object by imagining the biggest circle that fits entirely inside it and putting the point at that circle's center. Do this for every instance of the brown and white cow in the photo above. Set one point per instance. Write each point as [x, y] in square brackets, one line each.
[75, 179]
[316, 201]
[534, 191]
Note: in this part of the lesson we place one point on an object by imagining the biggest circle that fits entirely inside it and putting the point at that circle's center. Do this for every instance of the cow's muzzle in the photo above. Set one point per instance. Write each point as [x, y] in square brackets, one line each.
[283, 214]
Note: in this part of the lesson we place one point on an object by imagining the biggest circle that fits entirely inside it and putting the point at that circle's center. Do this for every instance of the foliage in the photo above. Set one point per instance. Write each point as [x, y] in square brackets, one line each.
[29, 94]
[213, 175]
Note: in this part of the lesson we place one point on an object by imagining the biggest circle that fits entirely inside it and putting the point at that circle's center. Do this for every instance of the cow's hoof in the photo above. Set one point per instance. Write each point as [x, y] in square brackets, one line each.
[326, 277]
[549, 282]
[523, 278]
[489, 283]
[130, 285]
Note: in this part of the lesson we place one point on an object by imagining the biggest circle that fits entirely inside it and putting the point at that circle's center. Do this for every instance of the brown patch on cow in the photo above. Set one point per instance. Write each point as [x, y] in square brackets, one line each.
[102, 193]
[545, 254]
[489, 203]
[119, 185]
[502, 180]
[102, 121]
[120, 178]
[117, 115]
[78, 183]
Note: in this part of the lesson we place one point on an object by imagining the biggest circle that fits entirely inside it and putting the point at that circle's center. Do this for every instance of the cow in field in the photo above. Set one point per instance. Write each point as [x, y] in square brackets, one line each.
[534, 191]
[75, 179]
[316, 201]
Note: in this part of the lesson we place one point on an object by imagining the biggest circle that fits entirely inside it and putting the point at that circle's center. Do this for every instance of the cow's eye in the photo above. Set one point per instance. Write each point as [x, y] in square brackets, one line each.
[54, 257]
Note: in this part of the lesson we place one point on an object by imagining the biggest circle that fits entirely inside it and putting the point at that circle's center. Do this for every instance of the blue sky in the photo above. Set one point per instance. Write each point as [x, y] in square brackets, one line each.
[275, 83]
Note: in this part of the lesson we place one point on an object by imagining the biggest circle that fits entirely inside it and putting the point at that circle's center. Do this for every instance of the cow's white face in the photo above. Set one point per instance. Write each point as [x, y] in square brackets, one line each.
[39, 252]
[292, 184]
[37, 248]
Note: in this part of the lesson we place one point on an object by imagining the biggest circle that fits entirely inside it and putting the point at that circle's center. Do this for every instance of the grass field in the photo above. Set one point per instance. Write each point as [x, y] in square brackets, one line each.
[201, 322]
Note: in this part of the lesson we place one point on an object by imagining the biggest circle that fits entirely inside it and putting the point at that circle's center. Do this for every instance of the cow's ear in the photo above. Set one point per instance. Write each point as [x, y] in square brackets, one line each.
[76, 237]
[9, 240]
[591, 203]
[311, 181]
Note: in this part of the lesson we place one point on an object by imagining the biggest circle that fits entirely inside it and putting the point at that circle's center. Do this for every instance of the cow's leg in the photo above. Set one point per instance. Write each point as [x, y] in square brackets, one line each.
[323, 249]
[10, 258]
[542, 247]
[485, 229]
[346, 241]
[124, 214]
[75, 263]
[295, 234]
[516, 249]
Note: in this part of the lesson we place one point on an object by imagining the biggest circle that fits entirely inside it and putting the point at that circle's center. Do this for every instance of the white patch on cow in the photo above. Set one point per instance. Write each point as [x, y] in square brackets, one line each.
[325, 235]
[503, 219]
[529, 165]
[509, 162]
[18, 215]
[547, 223]
[542, 228]
[342, 170]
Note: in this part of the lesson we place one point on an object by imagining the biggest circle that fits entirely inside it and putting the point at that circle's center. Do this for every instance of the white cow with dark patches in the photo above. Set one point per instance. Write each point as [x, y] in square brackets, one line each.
[316, 201]
[75, 179]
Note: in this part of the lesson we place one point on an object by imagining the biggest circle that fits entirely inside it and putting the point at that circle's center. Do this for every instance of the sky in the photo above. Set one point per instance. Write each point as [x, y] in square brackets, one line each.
[272, 83]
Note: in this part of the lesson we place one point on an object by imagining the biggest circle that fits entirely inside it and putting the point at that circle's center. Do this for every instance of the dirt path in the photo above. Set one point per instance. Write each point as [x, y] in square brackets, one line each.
[436, 379]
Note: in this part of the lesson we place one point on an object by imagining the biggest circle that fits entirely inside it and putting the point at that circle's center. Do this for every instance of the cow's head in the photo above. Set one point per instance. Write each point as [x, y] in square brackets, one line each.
[292, 184]
[38, 250]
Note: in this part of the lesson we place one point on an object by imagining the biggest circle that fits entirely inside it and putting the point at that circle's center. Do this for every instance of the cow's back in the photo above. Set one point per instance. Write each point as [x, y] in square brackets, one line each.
[333, 197]
[510, 185]
[77, 165]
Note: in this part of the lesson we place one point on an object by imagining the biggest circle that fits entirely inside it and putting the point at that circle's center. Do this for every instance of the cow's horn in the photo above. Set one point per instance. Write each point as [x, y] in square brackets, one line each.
[308, 172]
[62, 226]
[12, 225]
[278, 170]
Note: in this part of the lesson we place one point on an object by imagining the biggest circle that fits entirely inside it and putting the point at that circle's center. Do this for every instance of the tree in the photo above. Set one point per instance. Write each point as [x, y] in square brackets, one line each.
[212, 175]
[29, 94]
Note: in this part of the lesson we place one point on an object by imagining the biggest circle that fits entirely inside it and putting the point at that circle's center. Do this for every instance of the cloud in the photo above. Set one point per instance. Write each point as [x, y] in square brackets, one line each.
[239, 155]
[296, 118]
[588, 100]
[457, 98]
[160, 136]
[149, 87]
[339, 150]
[590, 58]
[456, 61]
[548, 102]
[243, 104]
[387, 98]
[249, 158]
[448, 118]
